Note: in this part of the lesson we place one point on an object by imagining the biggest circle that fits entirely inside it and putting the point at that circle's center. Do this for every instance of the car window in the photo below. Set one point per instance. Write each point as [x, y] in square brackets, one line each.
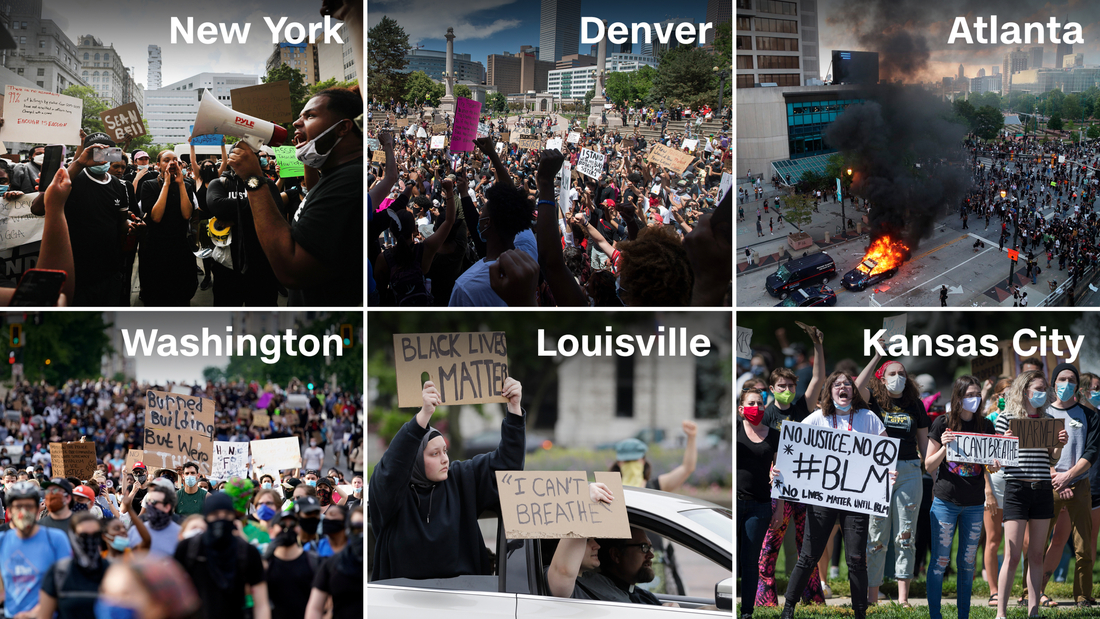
[714, 519]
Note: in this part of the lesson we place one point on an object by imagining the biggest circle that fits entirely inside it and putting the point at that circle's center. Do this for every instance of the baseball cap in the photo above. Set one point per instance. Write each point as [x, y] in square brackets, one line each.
[139, 154]
[60, 482]
[138, 465]
[99, 138]
[85, 492]
[306, 505]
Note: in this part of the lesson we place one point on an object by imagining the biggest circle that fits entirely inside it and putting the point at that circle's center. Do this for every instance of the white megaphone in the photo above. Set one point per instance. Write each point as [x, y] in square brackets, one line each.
[215, 118]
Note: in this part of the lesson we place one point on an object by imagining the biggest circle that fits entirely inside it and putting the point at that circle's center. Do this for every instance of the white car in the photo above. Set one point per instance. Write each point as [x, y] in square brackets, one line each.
[519, 589]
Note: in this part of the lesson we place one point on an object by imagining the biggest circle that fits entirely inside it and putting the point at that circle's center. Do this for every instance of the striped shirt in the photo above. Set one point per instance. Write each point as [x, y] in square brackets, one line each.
[1034, 462]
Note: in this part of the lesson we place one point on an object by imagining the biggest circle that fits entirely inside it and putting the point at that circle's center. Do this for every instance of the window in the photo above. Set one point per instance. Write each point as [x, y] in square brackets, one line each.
[624, 386]
[776, 44]
[777, 62]
[781, 80]
[106, 56]
[20, 70]
[744, 62]
[777, 6]
[744, 43]
[97, 56]
[41, 72]
[25, 27]
[786, 26]
[15, 26]
[39, 84]
[22, 40]
[744, 81]
[744, 22]
[42, 44]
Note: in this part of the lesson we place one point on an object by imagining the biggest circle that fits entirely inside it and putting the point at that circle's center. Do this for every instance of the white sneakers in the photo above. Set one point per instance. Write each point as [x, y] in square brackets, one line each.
[828, 591]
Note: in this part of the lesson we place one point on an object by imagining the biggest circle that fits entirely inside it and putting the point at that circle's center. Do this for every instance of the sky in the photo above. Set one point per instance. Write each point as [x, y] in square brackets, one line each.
[133, 26]
[484, 27]
[841, 22]
[179, 369]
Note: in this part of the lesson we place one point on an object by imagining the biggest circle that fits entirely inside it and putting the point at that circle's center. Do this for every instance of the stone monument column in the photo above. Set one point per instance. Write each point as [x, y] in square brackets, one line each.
[595, 116]
[447, 103]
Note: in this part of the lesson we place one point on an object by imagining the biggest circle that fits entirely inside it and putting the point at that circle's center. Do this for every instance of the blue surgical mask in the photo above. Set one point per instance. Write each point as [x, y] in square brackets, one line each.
[99, 170]
[265, 512]
[120, 543]
[311, 482]
[1038, 399]
[843, 409]
[4, 189]
[1094, 398]
[1065, 391]
[267, 485]
[263, 162]
[191, 481]
[105, 610]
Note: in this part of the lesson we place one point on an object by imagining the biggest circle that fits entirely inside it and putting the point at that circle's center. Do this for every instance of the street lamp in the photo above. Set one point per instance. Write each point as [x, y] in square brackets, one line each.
[721, 87]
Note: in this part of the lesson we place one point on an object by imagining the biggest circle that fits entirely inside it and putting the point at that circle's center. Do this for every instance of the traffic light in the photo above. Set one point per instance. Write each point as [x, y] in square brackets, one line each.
[346, 334]
[15, 333]
[309, 386]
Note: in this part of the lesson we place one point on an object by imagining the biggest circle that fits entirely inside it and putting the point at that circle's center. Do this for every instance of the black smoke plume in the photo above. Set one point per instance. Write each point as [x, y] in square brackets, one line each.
[907, 158]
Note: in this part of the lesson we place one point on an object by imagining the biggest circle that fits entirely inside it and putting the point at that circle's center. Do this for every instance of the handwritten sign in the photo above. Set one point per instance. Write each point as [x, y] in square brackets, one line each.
[438, 142]
[378, 156]
[530, 142]
[984, 449]
[287, 160]
[1036, 433]
[987, 368]
[261, 420]
[482, 130]
[669, 158]
[373, 144]
[132, 456]
[123, 122]
[213, 139]
[557, 504]
[689, 145]
[835, 468]
[402, 122]
[895, 326]
[744, 339]
[270, 101]
[230, 460]
[18, 226]
[504, 137]
[573, 137]
[40, 116]
[591, 163]
[176, 411]
[73, 459]
[171, 448]
[276, 453]
[554, 144]
[467, 368]
[439, 128]
[464, 129]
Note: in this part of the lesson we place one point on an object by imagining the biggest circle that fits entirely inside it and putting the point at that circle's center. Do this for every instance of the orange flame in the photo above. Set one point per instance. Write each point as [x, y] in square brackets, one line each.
[884, 254]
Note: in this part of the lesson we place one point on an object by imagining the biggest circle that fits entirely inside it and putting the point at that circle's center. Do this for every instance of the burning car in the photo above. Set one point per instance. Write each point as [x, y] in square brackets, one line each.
[810, 297]
[881, 262]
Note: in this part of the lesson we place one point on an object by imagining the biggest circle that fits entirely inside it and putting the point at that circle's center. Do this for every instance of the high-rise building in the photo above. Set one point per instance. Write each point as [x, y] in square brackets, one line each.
[1020, 60]
[996, 70]
[43, 54]
[719, 12]
[625, 48]
[575, 81]
[981, 72]
[517, 73]
[301, 56]
[434, 64]
[336, 60]
[1076, 60]
[559, 29]
[1006, 76]
[1064, 49]
[961, 74]
[154, 67]
[1035, 60]
[170, 111]
[103, 70]
[774, 43]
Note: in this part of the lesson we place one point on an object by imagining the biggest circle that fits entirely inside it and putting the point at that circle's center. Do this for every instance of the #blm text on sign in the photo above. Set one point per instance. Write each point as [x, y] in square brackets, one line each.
[835, 468]
[73, 459]
[984, 449]
[556, 504]
[1042, 432]
[467, 368]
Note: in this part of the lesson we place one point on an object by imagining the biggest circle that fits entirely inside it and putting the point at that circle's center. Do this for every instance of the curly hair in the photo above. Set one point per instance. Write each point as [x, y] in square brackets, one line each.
[577, 261]
[654, 269]
[602, 285]
[909, 398]
[510, 210]
[1017, 394]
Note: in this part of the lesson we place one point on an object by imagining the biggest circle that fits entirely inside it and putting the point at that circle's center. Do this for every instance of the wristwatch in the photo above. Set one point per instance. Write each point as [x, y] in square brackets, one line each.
[254, 182]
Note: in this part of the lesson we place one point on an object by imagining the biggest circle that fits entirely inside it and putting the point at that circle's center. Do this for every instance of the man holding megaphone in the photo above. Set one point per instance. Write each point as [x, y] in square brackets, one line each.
[319, 257]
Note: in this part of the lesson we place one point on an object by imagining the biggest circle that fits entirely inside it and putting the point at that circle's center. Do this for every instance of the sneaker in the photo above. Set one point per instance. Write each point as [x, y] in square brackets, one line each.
[826, 590]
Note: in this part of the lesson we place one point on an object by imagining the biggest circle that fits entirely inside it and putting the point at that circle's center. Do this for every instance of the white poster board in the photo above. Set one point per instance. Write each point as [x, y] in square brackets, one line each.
[984, 449]
[437, 141]
[40, 117]
[554, 144]
[744, 343]
[835, 468]
[573, 137]
[230, 460]
[590, 163]
[18, 226]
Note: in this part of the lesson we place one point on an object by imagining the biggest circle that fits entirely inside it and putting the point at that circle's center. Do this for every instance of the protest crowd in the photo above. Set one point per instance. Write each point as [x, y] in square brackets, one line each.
[533, 211]
[1043, 496]
[114, 536]
[260, 234]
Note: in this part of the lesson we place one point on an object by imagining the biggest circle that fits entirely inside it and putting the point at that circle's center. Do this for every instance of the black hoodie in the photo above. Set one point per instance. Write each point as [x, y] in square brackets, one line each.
[426, 530]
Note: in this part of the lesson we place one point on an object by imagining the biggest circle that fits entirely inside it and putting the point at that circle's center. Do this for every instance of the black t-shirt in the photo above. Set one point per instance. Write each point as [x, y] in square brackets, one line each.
[95, 211]
[796, 412]
[288, 586]
[221, 603]
[961, 483]
[329, 225]
[346, 590]
[79, 590]
[902, 423]
[753, 462]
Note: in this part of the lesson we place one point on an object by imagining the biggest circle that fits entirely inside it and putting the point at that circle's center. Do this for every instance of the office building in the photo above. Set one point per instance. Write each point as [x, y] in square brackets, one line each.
[301, 56]
[559, 29]
[1064, 49]
[434, 64]
[1076, 60]
[170, 111]
[336, 61]
[718, 12]
[518, 73]
[996, 70]
[1035, 58]
[981, 72]
[44, 55]
[985, 83]
[574, 82]
[104, 71]
[154, 67]
[776, 43]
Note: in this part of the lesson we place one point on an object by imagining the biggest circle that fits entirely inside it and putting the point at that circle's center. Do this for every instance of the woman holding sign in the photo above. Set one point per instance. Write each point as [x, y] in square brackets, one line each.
[1029, 496]
[841, 407]
[959, 495]
[756, 447]
[424, 508]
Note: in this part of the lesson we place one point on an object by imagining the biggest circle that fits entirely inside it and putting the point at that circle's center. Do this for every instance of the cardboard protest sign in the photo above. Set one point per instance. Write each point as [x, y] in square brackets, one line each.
[73, 459]
[529, 141]
[230, 460]
[374, 144]
[467, 368]
[261, 420]
[40, 116]
[18, 226]
[556, 504]
[983, 449]
[1040, 432]
[744, 346]
[670, 158]
[987, 368]
[439, 128]
[1011, 361]
[276, 453]
[504, 137]
[176, 411]
[123, 122]
[270, 101]
[401, 122]
[591, 163]
[172, 447]
[378, 156]
[554, 144]
[464, 129]
[438, 141]
[628, 143]
[835, 468]
[573, 137]
[287, 160]
[132, 456]
[894, 325]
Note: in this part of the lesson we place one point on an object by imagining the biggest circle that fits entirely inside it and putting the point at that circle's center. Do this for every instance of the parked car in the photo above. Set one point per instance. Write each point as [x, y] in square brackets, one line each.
[810, 297]
[860, 277]
[519, 589]
[805, 272]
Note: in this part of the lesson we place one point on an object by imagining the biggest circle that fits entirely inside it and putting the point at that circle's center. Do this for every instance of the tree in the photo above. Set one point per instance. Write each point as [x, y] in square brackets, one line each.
[93, 105]
[348, 367]
[965, 112]
[1093, 132]
[797, 209]
[686, 74]
[299, 90]
[462, 90]
[497, 102]
[988, 122]
[588, 100]
[387, 46]
[213, 374]
[73, 342]
[1055, 122]
[1053, 102]
[331, 83]
[1071, 107]
[723, 46]
[420, 87]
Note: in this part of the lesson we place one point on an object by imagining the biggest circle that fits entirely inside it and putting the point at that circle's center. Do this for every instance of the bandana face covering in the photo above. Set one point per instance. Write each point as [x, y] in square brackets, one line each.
[632, 473]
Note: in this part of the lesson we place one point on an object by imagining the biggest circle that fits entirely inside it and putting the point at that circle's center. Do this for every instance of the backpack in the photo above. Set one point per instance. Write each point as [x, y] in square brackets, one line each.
[408, 285]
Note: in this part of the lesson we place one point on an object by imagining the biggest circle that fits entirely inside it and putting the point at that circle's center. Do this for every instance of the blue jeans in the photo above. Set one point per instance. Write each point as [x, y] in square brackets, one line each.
[752, 523]
[945, 517]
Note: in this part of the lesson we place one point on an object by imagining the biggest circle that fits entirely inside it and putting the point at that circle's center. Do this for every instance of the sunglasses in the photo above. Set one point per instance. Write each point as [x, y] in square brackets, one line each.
[645, 548]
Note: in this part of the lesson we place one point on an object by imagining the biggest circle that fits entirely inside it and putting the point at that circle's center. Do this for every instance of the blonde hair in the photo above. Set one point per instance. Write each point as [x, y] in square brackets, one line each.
[1014, 397]
[188, 520]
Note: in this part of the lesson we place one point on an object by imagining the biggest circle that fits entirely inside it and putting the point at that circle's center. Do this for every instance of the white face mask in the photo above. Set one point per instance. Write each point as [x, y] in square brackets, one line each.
[895, 383]
[38, 159]
[971, 404]
[307, 153]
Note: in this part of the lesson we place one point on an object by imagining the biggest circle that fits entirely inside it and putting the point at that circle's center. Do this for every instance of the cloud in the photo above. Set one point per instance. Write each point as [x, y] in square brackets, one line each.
[429, 19]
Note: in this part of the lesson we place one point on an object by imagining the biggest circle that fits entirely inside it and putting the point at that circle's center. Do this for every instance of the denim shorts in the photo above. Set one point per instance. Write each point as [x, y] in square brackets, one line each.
[1026, 500]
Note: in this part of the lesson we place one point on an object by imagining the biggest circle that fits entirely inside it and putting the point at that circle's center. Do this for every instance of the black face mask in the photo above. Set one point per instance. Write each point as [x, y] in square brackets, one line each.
[328, 527]
[286, 537]
[219, 533]
[309, 525]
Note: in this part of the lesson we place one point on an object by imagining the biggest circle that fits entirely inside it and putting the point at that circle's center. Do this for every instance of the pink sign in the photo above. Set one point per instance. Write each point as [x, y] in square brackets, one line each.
[464, 129]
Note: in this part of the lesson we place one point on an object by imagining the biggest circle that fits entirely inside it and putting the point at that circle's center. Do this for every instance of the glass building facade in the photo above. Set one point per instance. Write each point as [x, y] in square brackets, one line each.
[806, 120]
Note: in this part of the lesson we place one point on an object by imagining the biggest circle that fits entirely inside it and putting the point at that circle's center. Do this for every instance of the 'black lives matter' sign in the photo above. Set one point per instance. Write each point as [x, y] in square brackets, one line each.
[835, 468]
